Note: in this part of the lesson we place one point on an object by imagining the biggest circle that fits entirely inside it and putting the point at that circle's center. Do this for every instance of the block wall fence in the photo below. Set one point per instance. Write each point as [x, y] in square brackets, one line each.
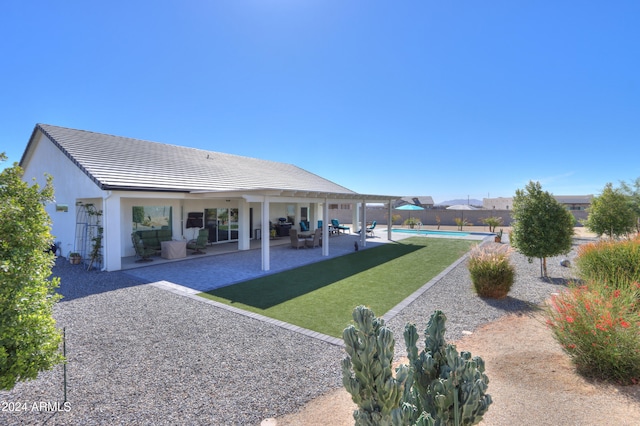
[428, 216]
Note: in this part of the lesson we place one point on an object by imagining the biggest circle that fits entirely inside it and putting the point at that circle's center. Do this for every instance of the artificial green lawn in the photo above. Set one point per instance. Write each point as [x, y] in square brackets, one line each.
[322, 295]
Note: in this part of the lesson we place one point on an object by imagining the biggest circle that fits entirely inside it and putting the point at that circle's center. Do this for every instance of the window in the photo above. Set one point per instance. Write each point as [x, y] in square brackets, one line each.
[152, 217]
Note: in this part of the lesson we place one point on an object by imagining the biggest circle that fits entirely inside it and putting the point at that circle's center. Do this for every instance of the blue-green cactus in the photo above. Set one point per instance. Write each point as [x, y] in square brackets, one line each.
[367, 372]
[439, 387]
[449, 386]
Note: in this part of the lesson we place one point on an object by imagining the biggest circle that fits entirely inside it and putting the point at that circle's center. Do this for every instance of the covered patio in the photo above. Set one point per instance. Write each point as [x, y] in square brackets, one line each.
[224, 264]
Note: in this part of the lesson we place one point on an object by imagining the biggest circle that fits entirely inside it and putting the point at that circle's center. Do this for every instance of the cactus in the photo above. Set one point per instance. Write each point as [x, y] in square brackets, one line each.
[367, 371]
[439, 387]
[450, 387]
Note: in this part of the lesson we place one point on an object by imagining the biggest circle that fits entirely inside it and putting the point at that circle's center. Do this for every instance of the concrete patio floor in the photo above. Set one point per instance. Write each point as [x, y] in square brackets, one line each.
[225, 265]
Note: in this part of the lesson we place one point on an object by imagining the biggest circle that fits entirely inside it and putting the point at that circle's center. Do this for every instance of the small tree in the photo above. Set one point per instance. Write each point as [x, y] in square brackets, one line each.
[492, 222]
[611, 213]
[29, 340]
[633, 192]
[542, 226]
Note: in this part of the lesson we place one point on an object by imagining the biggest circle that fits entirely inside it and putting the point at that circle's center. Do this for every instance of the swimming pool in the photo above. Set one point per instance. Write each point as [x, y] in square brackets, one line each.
[429, 232]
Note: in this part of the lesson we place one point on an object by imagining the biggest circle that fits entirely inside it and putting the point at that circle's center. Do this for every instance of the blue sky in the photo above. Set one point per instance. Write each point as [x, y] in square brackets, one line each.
[452, 99]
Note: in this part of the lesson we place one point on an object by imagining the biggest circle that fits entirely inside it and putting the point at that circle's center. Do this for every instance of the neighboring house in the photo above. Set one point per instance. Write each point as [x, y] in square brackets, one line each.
[571, 202]
[424, 201]
[137, 184]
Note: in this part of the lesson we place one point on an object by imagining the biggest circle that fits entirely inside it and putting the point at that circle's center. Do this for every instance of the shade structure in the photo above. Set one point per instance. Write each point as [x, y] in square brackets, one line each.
[410, 207]
[461, 207]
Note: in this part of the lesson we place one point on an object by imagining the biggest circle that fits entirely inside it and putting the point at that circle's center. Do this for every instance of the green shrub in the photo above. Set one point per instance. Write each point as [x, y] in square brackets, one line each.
[597, 322]
[492, 274]
[598, 327]
[608, 260]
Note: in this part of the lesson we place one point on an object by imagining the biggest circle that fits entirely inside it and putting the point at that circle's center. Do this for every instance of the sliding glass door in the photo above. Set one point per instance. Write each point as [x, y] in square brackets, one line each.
[222, 224]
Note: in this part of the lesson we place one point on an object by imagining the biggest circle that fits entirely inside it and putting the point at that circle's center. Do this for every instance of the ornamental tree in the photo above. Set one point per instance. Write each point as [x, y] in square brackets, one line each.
[633, 192]
[611, 213]
[542, 226]
[29, 339]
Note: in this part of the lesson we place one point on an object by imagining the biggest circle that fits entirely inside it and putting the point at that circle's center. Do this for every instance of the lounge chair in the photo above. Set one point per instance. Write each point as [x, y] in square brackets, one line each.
[199, 243]
[295, 241]
[315, 241]
[336, 225]
[142, 252]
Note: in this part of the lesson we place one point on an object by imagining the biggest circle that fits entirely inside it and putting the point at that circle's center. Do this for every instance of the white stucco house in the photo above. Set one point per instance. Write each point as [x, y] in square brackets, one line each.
[138, 184]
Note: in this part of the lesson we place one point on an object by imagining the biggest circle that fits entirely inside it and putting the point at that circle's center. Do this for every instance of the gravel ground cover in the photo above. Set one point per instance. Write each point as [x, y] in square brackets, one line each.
[141, 355]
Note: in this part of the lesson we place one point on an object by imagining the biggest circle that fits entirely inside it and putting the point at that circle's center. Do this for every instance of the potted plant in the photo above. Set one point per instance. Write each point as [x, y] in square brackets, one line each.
[75, 258]
[498, 237]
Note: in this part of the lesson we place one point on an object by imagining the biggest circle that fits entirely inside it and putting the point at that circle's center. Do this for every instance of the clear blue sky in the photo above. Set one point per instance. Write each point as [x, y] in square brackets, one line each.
[452, 99]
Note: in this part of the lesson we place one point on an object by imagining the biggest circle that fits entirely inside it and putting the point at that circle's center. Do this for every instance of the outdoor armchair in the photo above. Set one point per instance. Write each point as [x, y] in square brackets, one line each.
[315, 241]
[199, 243]
[143, 253]
[295, 241]
[370, 229]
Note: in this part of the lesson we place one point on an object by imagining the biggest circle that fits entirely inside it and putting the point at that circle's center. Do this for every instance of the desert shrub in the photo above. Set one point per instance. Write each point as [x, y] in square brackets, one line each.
[460, 222]
[492, 222]
[492, 273]
[411, 222]
[608, 260]
[598, 326]
[597, 323]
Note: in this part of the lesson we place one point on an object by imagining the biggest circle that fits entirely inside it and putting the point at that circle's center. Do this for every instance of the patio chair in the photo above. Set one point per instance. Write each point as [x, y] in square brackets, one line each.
[143, 253]
[295, 241]
[303, 227]
[199, 243]
[370, 229]
[338, 227]
[315, 241]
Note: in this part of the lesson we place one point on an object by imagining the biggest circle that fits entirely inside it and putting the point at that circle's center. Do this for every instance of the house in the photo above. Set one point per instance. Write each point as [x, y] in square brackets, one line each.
[140, 185]
[571, 202]
[424, 201]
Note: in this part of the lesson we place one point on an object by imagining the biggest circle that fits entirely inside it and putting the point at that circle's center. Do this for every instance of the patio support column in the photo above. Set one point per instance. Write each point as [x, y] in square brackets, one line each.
[363, 225]
[355, 217]
[325, 228]
[265, 235]
[112, 250]
[390, 221]
[244, 233]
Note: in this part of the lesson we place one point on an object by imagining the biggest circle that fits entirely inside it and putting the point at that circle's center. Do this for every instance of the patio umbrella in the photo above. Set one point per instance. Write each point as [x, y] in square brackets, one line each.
[410, 207]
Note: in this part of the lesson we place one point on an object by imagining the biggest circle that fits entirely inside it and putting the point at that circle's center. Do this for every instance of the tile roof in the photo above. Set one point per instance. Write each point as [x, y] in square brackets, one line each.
[116, 162]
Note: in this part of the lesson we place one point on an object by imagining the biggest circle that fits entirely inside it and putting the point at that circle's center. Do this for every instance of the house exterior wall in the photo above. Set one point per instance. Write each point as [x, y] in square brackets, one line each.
[69, 182]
